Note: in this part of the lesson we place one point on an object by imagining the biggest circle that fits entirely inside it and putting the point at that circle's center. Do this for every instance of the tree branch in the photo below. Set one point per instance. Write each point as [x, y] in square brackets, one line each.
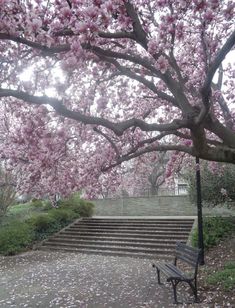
[206, 88]
[127, 72]
[139, 33]
[44, 48]
[117, 128]
[159, 148]
[109, 140]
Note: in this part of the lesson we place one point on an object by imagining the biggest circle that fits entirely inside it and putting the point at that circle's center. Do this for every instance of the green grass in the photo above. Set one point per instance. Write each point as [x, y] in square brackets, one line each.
[19, 212]
[25, 224]
[224, 277]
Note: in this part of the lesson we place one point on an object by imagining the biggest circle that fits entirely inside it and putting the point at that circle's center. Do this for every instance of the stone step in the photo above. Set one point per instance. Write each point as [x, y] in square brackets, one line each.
[130, 231]
[136, 220]
[125, 242]
[116, 233]
[110, 253]
[142, 226]
[117, 237]
[111, 248]
[121, 237]
[111, 226]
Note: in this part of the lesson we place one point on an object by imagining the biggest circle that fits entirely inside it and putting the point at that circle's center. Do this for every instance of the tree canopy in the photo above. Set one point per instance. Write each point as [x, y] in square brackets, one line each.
[88, 85]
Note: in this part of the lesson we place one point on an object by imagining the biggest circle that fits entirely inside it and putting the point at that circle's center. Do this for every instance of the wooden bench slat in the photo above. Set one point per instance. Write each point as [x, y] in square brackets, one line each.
[181, 273]
[170, 270]
[162, 267]
[187, 260]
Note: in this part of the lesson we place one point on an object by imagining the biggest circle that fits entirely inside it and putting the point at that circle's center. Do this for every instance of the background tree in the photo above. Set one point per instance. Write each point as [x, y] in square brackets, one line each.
[88, 85]
[7, 191]
[146, 173]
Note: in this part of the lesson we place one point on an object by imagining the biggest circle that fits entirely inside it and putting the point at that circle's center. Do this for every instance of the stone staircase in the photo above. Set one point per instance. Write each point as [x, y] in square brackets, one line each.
[135, 237]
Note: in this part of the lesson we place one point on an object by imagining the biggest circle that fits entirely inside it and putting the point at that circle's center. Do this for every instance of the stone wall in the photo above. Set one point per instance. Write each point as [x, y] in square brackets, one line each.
[154, 206]
[158, 205]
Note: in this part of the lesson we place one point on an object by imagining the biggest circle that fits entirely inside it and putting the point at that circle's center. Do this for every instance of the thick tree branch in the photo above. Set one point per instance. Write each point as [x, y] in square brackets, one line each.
[110, 35]
[206, 88]
[140, 34]
[117, 128]
[44, 48]
[224, 133]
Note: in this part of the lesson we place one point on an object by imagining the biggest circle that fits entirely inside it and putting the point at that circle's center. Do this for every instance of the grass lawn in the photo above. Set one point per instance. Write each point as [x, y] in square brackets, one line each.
[19, 212]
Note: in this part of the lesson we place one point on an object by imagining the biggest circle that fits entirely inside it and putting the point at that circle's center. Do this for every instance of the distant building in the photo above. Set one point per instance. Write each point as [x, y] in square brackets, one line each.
[181, 186]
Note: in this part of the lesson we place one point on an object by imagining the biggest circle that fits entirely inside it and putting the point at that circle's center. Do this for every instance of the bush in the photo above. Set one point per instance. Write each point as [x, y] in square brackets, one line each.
[37, 203]
[44, 225]
[62, 216]
[79, 206]
[214, 229]
[224, 277]
[217, 187]
[42, 222]
[15, 238]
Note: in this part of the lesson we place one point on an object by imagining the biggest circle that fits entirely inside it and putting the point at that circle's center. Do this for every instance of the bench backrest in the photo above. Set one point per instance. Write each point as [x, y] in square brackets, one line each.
[187, 254]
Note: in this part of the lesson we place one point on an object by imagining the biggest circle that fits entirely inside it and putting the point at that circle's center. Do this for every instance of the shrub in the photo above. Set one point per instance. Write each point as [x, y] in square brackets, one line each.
[37, 203]
[44, 225]
[85, 209]
[62, 216]
[79, 206]
[42, 222]
[224, 277]
[15, 238]
[214, 229]
[46, 205]
[216, 187]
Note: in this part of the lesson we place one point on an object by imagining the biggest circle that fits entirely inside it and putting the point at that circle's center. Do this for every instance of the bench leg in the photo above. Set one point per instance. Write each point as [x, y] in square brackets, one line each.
[174, 285]
[194, 289]
[158, 276]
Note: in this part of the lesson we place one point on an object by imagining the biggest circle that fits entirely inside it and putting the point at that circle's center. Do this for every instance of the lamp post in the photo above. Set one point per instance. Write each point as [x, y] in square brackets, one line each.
[199, 212]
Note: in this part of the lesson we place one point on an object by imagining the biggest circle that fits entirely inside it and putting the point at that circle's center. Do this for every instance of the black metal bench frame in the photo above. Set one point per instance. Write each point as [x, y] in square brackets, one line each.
[174, 275]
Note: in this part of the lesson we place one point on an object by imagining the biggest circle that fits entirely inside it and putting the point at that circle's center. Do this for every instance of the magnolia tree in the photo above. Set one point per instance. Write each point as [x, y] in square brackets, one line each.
[88, 85]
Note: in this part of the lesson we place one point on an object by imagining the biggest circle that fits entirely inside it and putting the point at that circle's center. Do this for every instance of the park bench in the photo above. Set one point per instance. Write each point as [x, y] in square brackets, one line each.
[174, 274]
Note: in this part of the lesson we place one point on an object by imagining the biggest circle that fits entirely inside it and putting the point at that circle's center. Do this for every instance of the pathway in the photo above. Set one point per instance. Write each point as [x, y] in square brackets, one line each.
[46, 279]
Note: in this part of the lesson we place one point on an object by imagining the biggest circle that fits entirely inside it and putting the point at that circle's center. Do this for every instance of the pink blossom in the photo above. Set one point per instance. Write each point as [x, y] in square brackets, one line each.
[152, 46]
[81, 27]
[161, 3]
[91, 12]
[188, 142]
[209, 16]
[66, 12]
[35, 24]
[162, 64]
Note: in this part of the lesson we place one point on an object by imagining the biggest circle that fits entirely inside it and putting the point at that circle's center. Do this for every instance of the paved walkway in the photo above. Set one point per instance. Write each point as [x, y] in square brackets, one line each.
[46, 279]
